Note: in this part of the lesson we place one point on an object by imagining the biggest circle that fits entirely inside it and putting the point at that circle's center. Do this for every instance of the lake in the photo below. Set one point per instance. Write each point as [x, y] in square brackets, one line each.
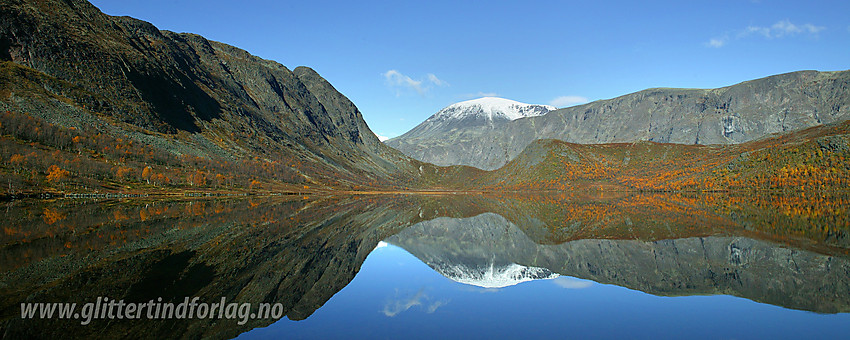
[574, 265]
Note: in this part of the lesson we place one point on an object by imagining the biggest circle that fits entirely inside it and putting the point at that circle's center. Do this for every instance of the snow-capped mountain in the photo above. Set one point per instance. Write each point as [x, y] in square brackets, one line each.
[481, 251]
[494, 276]
[491, 108]
[437, 139]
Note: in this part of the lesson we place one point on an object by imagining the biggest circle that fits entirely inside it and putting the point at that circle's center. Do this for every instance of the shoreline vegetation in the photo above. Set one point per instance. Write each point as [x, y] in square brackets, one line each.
[43, 160]
[588, 190]
[559, 216]
[600, 190]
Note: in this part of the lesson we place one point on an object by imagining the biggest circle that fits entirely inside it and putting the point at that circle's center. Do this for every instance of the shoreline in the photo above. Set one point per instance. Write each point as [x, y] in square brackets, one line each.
[196, 194]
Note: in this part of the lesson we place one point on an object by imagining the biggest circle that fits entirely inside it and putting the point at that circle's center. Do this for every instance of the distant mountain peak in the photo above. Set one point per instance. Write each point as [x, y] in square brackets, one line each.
[491, 108]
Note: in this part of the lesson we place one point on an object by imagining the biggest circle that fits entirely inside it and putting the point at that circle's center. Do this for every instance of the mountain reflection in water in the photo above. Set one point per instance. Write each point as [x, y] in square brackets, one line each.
[788, 251]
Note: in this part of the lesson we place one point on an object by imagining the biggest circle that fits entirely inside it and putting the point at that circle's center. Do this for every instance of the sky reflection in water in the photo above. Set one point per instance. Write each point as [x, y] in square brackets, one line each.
[395, 295]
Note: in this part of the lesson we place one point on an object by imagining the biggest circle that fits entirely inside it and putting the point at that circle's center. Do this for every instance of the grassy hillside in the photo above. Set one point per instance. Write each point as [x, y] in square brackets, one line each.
[814, 159]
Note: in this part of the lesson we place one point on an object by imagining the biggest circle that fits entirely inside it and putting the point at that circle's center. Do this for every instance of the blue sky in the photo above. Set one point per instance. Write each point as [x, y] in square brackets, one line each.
[401, 62]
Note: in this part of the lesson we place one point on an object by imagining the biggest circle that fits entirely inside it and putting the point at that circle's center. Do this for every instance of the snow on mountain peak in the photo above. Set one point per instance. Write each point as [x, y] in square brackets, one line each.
[490, 108]
[495, 276]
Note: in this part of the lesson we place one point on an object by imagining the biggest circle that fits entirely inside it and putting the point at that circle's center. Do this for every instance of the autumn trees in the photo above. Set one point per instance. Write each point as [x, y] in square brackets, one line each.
[39, 155]
[814, 161]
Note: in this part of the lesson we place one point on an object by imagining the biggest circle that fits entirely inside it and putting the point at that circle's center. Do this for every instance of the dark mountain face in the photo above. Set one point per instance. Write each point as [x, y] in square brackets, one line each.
[184, 93]
[728, 115]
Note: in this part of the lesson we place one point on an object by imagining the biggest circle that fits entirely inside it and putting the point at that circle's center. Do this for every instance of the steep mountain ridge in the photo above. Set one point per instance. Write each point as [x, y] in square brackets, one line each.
[182, 94]
[728, 115]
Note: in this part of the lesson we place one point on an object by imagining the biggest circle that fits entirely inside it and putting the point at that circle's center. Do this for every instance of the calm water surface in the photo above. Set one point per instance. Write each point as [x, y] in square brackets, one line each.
[466, 266]
[396, 295]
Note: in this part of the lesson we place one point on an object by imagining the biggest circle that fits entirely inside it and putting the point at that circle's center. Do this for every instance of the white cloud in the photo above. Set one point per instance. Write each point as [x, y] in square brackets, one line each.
[381, 244]
[398, 80]
[785, 27]
[572, 283]
[382, 138]
[812, 29]
[717, 42]
[780, 29]
[392, 308]
[565, 101]
[750, 30]
[437, 304]
[436, 81]
[403, 303]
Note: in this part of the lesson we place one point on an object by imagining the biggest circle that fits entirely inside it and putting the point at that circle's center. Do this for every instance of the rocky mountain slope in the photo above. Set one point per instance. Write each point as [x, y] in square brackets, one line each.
[728, 115]
[461, 126]
[85, 73]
